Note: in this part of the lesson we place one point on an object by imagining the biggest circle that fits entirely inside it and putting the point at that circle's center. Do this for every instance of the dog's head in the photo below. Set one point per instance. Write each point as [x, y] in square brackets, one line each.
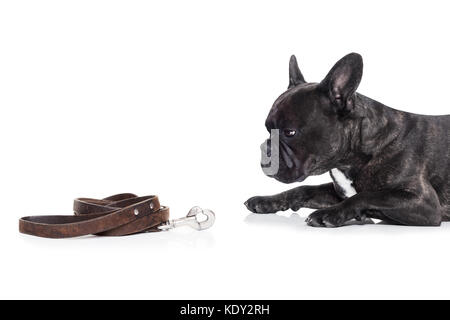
[307, 122]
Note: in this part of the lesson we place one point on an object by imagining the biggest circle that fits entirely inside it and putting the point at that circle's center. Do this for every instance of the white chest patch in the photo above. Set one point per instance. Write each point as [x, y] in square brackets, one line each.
[344, 183]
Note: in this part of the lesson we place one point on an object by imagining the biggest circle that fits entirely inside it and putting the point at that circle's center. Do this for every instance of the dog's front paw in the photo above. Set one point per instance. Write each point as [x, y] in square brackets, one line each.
[270, 204]
[329, 218]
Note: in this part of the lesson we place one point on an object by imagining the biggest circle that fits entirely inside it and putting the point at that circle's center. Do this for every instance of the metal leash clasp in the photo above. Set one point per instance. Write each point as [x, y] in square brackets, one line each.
[193, 219]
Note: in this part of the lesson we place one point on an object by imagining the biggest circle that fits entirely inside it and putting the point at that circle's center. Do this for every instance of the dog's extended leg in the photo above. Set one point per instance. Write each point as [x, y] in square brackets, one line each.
[404, 207]
[314, 197]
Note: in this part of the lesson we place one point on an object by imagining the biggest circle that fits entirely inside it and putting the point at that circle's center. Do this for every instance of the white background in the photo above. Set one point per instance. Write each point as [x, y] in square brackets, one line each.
[170, 97]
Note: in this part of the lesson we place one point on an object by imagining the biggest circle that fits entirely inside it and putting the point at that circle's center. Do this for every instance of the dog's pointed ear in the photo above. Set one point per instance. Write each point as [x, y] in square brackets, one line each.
[295, 76]
[343, 80]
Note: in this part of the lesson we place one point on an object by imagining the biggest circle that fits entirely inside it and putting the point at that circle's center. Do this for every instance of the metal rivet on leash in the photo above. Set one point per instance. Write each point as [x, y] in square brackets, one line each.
[193, 219]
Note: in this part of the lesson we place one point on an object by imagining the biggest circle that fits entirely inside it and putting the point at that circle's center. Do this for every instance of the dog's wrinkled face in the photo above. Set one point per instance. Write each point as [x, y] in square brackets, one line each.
[307, 122]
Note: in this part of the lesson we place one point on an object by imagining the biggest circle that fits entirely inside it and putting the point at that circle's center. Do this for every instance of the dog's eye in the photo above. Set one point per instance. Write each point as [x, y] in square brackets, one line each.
[289, 133]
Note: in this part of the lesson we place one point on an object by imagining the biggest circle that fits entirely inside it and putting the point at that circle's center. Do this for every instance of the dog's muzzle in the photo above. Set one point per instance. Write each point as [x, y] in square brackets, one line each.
[270, 154]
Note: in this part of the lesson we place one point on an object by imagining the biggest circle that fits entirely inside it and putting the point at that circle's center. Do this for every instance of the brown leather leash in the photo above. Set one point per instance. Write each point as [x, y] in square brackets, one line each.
[117, 215]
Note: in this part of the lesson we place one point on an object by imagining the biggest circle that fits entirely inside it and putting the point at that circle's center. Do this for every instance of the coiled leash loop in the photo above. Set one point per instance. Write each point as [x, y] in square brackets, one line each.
[118, 215]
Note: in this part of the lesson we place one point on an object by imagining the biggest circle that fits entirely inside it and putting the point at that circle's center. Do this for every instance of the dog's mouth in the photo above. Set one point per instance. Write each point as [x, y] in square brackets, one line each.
[279, 161]
[284, 171]
[291, 179]
[285, 176]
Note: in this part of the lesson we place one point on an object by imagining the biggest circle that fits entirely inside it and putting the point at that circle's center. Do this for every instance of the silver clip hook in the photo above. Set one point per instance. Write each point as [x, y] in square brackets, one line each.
[193, 219]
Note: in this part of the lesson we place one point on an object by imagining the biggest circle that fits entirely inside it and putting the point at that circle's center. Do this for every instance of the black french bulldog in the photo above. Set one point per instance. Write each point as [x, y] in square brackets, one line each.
[385, 163]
